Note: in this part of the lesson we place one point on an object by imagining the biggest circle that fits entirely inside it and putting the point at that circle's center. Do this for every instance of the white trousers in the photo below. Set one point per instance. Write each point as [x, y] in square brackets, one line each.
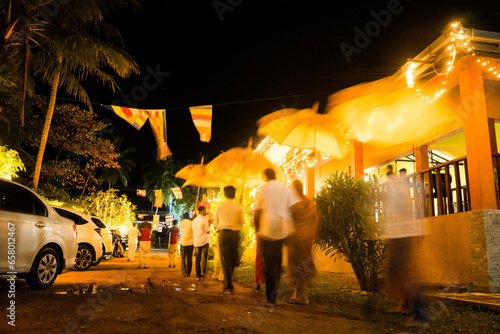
[131, 250]
[144, 248]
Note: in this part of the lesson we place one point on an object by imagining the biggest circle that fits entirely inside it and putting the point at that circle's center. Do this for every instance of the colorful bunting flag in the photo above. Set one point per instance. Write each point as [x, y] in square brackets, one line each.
[141, 192]
[136, 117]
[177, 192]
[159, 125]
[156, 222]
[202, 119]
[158, 198]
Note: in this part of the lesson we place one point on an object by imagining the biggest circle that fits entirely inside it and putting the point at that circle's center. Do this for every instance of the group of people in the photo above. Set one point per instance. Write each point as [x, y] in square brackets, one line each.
[282, 216]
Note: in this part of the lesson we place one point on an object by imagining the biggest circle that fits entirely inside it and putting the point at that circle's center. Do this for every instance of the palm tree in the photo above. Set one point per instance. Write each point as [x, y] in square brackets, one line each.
[71, 50]
[122, 174]
[160, 174]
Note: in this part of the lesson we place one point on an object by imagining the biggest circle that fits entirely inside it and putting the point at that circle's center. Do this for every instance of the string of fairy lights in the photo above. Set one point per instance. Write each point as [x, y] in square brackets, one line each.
[460, 41]
[292, 163]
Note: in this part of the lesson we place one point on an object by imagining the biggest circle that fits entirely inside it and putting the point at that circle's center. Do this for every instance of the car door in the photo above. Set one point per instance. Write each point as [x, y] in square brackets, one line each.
[25, 217]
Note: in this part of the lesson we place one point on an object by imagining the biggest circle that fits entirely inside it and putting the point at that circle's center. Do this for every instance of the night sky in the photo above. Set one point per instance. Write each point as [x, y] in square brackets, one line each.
[258, 50]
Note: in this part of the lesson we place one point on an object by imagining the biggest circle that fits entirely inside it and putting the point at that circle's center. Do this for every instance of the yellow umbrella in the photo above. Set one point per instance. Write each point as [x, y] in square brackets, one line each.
[302, 129]
[239, 166]
[198, 176]
[387, 112]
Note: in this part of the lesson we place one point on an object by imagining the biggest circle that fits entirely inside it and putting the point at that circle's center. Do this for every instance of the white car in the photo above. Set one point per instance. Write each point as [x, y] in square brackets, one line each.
[107, 240]
[36, 243]
[89, 238]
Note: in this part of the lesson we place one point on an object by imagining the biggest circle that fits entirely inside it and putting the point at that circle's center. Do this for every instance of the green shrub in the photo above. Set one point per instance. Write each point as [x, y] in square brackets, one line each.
[348, 226]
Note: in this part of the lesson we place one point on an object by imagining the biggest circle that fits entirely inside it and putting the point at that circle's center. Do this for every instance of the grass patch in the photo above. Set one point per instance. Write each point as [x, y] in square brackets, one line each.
[333, 293]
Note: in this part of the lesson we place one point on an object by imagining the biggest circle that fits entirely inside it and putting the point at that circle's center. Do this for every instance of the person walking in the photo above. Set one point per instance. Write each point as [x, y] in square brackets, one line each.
[132, 236]
[117, 244]
[186, 226]
[173, 240]
[144, 244]
[201, 241]
[402, 231]
[301, 265]
[228, 220]
[274, 221]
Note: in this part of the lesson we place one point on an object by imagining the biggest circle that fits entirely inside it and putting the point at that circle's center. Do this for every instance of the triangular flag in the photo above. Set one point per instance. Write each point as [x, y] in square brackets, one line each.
[202, 119]
[158, 198]
[159, 126]
[156, 221]
[141, 192]
[136, 117]
[177, 192]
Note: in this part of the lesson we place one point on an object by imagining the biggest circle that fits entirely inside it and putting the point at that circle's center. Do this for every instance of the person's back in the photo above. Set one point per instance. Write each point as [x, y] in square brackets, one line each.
[145, 229]
[186, 226]
[273, 224]
[174, 235]
[201, 231]
[275, 219]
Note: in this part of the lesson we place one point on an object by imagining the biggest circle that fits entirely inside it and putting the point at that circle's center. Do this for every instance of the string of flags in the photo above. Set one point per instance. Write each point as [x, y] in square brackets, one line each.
[202, 119]
[159, 195]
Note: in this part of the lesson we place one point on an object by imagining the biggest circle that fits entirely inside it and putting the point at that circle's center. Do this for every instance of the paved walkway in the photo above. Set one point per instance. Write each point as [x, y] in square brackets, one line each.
[489, 301]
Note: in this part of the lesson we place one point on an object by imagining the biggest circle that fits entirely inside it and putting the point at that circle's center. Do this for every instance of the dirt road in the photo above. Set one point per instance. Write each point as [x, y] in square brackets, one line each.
[117, 297]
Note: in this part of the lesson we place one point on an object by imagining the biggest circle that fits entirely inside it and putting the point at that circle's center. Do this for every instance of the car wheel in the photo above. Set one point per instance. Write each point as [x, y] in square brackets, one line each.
[96, 262]
[83, 258]
[44, 269]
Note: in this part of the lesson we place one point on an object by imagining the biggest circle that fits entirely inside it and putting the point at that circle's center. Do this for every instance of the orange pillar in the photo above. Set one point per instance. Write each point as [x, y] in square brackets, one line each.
[311, 183]
[422, 163]
[478, 139]
[421, 158]
[357, 168]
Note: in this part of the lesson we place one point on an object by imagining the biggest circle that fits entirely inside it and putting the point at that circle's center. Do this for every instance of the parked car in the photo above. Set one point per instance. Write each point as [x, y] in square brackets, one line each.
[107, 240]
[89, 238]
[36, 243]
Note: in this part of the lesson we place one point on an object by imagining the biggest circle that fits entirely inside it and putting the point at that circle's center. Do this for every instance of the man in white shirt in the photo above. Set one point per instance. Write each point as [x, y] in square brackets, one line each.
[132, 236]
[186, 226]
[273, 224]
[229, 219]
[201, 241]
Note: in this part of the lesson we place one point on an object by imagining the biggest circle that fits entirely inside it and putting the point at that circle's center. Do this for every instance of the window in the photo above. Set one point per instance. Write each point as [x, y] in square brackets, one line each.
[98, 222]
[70, 215]
[18, 199]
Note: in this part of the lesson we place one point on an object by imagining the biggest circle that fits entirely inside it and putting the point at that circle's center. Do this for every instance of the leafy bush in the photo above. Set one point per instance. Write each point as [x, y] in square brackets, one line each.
[348, 226]
[117, 212]
[10, 163]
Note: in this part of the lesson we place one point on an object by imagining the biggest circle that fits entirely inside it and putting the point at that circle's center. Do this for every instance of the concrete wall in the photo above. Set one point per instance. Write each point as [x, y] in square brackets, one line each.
[442, 256]
[444, 253]
[326, 263]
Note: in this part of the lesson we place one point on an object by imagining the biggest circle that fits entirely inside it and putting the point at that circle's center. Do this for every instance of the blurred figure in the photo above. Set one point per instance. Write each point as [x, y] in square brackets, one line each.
[132, 236]
[402, 173]
[228, 220]
[274, 221]
[144, 244]
[401, 231]
[301, 265]
[218, 272]
[186, 226]
[173, 240]
[117, 244]
[201, 241]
